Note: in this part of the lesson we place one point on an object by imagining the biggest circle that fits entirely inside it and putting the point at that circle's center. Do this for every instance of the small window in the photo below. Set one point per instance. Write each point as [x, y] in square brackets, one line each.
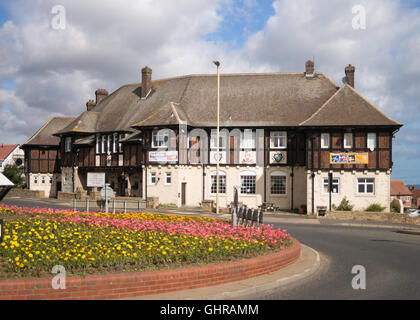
[120, 148]
[247, 139]
[43, 180]
[35, 180]
[222, 139]
[325, 140]
[114, 142]
[248, 183]
[335, 185]
[103, 144]
[366, 185]
[168, 178]
[51, 180]
[153, 179]
[278, 183]
[371, 140]
[348, 140]
[67, 144]
[98, 144]
[160, 139]
[278, 139]
[222, 183]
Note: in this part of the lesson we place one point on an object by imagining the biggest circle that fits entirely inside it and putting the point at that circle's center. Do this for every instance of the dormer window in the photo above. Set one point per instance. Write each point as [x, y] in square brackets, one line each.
[348, 140]
[278, 139]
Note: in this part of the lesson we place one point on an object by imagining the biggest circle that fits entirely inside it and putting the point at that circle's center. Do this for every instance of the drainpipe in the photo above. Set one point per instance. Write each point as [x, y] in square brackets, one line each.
[313, 174]
[292, 175]
[204, 182]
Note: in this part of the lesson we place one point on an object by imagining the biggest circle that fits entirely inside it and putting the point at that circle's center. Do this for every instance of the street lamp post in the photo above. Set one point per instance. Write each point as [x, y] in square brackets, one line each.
[217, 63]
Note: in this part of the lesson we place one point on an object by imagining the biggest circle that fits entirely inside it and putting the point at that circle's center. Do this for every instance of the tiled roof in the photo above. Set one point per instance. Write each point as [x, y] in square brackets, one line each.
[399, 188]
[44, 136]
[6, 149]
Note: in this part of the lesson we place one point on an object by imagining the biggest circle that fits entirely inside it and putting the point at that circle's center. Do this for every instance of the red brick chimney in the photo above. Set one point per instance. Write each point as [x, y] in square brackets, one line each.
[309, 68]
[146, 81]
[100, 95]
[349, 70]
[90, 104]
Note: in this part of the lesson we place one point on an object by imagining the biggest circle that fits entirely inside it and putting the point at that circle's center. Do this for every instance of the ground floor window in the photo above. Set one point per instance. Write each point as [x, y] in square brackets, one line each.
[222, 183]
[335, 185]
[153, 178]
[366, 185]
[278, 183]
[168, 178]
[248, 182]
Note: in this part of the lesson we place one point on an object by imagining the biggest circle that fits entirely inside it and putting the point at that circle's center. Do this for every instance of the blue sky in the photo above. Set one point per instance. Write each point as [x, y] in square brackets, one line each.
[45, 72]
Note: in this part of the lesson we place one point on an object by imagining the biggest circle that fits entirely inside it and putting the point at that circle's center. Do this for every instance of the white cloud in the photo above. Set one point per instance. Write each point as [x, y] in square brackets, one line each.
[106, 43]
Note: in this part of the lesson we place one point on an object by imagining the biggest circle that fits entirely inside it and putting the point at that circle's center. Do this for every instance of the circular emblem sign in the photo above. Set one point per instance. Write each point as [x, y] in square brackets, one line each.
[278, 157]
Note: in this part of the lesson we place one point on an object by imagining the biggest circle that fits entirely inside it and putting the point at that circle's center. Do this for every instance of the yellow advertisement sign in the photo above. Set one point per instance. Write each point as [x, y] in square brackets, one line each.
[349, 158]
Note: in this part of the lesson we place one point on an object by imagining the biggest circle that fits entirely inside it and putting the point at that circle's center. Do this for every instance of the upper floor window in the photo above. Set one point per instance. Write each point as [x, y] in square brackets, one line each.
[115, 143]
[67, 144]
[222, 139]
[247, 139]
[348, 140]
[98, 143]
[122, 136]
[371, 140]
[278, 139]
[103, 144]
[160, 139]
[325, 140]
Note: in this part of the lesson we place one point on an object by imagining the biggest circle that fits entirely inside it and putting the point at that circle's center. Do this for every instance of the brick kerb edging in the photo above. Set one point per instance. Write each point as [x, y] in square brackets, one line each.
[123, 285]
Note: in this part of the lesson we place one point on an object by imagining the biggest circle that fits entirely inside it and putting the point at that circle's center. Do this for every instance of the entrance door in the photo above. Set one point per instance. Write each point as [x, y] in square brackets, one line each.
[183, 193]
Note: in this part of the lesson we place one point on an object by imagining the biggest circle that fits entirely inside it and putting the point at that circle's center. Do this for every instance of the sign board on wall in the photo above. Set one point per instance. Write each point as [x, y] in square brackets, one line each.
[213, 157]
[163, 156]
[349, 158]
[95, 179]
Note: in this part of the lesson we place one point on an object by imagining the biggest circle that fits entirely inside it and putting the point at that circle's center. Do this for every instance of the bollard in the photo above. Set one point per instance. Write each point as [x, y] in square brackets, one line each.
[74, 204]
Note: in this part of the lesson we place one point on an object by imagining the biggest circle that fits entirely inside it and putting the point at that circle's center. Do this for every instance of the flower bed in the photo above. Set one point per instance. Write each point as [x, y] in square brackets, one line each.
[37, 239]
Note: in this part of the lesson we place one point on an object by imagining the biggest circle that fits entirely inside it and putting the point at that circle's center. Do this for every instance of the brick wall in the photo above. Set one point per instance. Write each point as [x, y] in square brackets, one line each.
[132, 284]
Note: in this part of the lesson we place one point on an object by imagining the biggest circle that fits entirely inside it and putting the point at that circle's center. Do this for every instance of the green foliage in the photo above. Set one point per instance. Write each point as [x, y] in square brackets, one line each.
[344, 205]
[375, 207]
[395, 206]
[14, 174]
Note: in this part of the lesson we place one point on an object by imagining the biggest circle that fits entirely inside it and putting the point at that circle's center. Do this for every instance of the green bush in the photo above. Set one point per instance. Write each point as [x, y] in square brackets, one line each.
[344, 205]
[375, 207]
[395, 206]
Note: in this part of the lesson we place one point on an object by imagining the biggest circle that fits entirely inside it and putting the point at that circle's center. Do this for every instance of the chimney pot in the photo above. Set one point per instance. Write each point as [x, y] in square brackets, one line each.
[309, 68]
[146, 81]
[100, 95]
[349, 70]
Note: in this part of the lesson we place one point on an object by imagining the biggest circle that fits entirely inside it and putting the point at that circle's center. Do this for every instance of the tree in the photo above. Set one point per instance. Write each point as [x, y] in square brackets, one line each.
[14, 174]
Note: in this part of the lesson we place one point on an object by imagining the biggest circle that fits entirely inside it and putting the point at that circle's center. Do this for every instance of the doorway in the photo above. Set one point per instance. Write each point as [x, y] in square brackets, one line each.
[183, 193]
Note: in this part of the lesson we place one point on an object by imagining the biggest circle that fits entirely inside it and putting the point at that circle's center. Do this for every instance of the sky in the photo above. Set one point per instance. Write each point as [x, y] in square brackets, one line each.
[52, 59]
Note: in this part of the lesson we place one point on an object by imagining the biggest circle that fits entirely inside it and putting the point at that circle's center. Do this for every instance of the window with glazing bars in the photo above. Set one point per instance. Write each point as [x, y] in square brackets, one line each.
[278, 184]
[222, 184]
[248, 184]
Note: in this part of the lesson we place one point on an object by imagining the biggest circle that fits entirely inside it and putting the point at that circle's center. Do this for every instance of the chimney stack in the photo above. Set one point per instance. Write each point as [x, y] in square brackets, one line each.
[349, 70]
[100, 95]
[90, 104]
[309, 68]
[146, 81]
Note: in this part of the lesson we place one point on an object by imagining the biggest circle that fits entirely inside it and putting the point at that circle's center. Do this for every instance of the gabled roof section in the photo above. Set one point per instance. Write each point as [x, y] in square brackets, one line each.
[348, 108]
[399, 188]
[85, 123]
[6, 150]
[169, 114]
[45, 135]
